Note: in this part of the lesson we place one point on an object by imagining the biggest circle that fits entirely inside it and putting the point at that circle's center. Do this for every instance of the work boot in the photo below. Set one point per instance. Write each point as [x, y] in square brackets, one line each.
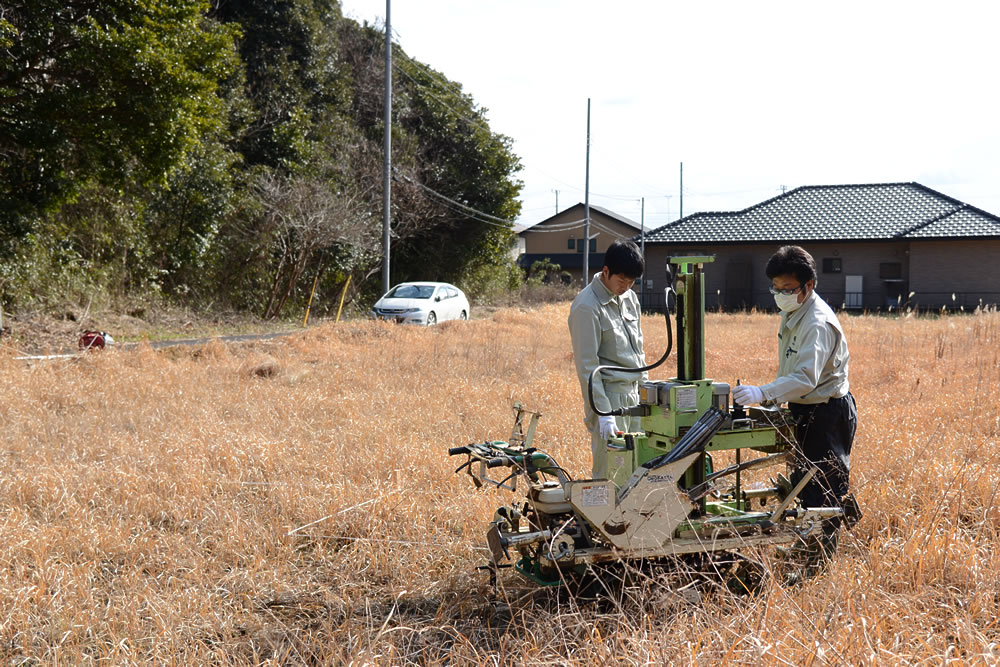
[852, 511]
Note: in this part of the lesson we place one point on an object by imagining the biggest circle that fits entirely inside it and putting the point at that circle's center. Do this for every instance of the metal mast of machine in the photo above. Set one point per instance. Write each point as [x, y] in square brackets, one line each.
[690, 290]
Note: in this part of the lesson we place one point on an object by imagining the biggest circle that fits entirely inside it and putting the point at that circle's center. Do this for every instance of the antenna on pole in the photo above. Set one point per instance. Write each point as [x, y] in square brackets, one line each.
[387, 150]
[586, 208]
[557, 201]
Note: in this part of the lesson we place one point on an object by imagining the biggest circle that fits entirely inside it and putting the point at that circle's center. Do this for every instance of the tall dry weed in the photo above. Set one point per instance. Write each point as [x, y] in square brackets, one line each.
[292, 502]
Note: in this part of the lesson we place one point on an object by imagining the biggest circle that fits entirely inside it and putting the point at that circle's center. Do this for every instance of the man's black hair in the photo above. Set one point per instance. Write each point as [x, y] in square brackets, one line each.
[792, 260]
[624, 257]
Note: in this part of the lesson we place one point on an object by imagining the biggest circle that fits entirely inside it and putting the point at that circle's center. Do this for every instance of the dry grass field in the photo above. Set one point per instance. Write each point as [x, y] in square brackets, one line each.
[148, 501]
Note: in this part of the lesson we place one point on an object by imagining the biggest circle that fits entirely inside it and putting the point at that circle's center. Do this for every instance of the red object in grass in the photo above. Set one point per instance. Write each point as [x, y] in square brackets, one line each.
[94, 340]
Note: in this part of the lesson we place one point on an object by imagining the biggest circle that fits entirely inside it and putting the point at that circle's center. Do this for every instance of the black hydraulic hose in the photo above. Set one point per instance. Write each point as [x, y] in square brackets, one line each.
[642, 369]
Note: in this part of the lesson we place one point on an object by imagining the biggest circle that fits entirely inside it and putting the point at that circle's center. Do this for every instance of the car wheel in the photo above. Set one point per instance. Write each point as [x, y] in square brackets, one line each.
[463, 316]
[431, 319]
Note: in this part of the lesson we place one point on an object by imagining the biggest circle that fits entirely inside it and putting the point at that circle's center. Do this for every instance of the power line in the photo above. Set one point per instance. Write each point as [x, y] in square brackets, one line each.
[475, 122]
[562, 227]
[467, 216]
[483, 216]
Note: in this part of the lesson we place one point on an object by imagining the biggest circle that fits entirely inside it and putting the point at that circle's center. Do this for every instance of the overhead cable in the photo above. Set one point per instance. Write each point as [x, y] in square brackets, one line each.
[481, 216]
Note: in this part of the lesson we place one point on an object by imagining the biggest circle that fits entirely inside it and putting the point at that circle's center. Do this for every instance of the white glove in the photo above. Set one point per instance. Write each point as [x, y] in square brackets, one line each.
[747, 394]
[608, 426]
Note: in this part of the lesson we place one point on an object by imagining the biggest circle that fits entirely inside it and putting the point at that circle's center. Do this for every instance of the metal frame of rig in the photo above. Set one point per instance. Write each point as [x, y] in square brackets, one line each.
[662, 496]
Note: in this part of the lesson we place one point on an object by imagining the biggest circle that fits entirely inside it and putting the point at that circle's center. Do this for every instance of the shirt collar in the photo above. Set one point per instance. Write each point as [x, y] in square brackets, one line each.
[601, 291]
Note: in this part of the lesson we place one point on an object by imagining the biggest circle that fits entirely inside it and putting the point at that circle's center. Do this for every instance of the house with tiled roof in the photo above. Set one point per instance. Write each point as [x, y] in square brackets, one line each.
[876, 246]
[559, 238]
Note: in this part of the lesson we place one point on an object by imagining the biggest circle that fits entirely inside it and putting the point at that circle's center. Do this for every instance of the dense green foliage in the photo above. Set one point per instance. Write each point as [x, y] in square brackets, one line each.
[230, 153]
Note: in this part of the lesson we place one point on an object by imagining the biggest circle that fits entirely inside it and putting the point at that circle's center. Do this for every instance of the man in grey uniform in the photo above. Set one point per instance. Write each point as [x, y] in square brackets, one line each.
[812, 377]
[605, 331]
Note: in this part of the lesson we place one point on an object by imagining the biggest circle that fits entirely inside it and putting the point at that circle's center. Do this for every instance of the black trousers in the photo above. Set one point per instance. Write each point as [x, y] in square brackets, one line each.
[825, 433]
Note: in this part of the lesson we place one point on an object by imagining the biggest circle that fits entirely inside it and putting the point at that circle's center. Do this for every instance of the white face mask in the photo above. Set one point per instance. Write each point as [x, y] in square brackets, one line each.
[787, 302]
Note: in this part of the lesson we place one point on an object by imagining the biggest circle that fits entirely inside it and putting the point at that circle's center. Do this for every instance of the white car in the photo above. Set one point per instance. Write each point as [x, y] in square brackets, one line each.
[422, 303]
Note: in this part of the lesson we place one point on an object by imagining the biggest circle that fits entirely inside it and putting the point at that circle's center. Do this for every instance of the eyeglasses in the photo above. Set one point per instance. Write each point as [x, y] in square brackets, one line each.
[787, 292]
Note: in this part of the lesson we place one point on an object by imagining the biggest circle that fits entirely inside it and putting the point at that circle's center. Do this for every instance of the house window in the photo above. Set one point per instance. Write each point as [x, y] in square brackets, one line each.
[890, 270]
[579, 245]
[572, 243]
[831, 265]
[593, 245]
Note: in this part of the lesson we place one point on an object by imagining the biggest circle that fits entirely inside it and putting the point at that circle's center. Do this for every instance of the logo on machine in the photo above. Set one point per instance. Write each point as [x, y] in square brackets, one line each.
[659, 479]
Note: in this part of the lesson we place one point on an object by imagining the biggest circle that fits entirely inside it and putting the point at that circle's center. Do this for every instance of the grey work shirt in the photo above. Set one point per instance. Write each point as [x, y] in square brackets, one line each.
[812, 356]
[605, 330]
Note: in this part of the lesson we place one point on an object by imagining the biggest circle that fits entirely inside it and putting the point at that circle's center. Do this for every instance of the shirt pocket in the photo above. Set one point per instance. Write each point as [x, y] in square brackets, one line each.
[630, 313]
[613, 337]
[618, 331]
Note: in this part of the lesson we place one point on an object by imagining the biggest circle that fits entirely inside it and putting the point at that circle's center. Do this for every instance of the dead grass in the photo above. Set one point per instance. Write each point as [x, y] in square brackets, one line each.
[58, 330]
[148, 502]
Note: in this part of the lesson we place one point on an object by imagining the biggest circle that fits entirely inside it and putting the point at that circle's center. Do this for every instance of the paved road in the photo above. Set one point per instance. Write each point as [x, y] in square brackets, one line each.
[239, 338]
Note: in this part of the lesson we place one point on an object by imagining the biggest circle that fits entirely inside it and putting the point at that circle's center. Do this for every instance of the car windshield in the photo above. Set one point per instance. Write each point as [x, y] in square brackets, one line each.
[411, 292]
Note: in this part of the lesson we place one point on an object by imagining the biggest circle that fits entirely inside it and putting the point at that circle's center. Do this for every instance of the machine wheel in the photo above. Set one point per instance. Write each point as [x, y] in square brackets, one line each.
[431, 319]
[463, 316]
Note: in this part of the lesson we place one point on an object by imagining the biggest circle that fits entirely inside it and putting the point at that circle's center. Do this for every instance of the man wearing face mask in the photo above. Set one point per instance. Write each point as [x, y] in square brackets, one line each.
[605, 331]
[812, 378]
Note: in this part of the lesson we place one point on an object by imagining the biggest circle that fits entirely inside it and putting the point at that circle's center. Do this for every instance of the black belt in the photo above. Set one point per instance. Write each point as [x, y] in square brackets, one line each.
[809, 407]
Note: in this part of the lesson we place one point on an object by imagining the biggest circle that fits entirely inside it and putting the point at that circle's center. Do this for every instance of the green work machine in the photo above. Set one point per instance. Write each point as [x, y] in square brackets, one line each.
[663, 495]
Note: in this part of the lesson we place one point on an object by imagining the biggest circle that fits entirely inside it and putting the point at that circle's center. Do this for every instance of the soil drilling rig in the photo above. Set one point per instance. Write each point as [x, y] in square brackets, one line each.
[662, 496]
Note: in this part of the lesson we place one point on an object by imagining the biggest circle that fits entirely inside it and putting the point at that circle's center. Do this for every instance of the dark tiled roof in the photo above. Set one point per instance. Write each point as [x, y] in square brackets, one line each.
[838, 213]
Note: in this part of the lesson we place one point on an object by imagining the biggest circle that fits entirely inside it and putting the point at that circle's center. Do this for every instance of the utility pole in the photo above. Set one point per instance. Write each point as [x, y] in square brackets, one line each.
[387, 149]
[642, 239]
[557, 201]
[586, 208]
[682, 185]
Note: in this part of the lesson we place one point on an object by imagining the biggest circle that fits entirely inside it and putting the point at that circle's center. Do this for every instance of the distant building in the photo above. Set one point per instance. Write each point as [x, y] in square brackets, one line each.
[560, 239]
[876, 246]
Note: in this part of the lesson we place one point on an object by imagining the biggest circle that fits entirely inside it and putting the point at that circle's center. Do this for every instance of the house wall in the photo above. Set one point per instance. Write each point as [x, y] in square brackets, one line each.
[736, 278]
[555, 245]
[969, 270]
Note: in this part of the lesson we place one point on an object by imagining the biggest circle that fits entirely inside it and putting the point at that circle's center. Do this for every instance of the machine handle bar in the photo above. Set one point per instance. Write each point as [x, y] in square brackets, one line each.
[464, 449]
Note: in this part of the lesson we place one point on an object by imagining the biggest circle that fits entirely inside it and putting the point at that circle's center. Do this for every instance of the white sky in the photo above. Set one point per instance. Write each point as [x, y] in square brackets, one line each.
[750, 96]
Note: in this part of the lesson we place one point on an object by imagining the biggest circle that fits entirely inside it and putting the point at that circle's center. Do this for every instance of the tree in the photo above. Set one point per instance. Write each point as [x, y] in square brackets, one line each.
[294, 82]
[102, 91]
[307, 217]
[454, 186]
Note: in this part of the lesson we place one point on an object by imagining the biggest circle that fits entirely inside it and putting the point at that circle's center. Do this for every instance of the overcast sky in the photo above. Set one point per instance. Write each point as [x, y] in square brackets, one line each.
[750, 96]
